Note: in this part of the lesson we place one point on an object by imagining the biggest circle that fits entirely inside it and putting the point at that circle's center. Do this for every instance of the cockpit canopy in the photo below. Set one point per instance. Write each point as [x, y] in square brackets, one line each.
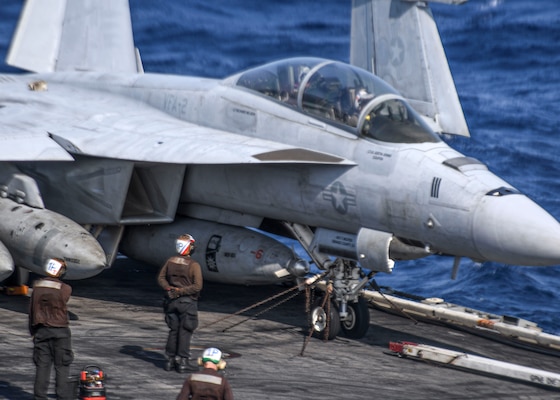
[342, 95]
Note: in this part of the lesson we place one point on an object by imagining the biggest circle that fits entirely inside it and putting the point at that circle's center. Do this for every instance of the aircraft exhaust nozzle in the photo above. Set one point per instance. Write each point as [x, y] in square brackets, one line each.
[33, 235]
[6, 263]
[512, 229]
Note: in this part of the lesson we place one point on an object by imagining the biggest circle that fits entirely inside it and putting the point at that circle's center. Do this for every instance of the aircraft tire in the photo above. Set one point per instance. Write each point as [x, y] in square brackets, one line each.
[318, 320]
[356, 325]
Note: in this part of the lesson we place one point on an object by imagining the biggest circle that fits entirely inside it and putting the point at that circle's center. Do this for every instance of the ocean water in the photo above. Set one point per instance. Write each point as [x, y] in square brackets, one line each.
[504, 56]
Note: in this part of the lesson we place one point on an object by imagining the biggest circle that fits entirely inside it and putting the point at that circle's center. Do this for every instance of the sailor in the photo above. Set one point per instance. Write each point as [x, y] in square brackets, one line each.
[208, 383]
[181, 278]
[49, 327]
[362, 98]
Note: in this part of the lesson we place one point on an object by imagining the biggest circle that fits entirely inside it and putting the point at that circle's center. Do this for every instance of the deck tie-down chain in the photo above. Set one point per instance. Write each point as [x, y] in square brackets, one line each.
[260, 303]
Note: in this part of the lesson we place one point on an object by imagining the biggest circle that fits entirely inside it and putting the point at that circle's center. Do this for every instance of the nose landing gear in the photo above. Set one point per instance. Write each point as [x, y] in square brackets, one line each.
[345, 309]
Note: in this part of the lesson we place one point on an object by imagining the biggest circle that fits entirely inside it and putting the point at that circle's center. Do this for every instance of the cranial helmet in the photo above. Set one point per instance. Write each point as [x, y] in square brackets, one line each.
[55, 267]
[185, 245]
[304, 71]
[214, 356]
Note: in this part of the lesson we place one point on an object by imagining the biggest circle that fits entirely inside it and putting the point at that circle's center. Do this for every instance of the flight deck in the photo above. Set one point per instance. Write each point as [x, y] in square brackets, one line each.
[117, 324]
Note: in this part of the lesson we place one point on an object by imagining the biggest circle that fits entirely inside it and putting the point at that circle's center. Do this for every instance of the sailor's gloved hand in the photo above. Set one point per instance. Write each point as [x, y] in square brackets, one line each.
[172, 293]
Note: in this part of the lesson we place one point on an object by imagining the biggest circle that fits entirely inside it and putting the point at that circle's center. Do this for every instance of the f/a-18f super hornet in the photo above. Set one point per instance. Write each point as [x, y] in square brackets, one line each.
[99, 157]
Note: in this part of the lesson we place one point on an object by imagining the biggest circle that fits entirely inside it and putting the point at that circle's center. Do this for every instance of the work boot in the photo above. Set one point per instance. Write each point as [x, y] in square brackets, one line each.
[169, 364]
[184, 366]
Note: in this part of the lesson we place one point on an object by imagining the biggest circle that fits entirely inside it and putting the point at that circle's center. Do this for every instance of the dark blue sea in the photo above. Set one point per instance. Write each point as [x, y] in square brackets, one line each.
[505, 59]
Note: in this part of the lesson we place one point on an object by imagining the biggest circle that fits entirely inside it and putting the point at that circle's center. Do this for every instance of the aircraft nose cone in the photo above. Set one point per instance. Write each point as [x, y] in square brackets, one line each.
[514, 230]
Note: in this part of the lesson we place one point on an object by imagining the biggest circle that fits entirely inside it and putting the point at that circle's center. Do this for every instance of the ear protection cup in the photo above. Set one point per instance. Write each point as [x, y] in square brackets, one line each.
[221, 365]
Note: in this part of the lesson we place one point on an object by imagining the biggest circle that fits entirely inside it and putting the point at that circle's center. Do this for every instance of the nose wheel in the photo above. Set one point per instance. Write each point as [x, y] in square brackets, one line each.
[356, 323]
[327, 323]
[324, 320]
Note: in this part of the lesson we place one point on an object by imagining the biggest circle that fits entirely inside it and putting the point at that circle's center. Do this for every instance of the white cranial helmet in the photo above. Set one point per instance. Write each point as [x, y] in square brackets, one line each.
[185, 244]
[55, 267]
[212, 355]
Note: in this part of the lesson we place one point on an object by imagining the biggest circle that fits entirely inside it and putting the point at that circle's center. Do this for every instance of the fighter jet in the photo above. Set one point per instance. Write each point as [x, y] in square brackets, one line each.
[99, 157]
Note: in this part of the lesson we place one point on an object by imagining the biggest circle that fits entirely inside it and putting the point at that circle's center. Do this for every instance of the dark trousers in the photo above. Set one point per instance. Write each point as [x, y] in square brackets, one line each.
[52, 346]
[181, 316]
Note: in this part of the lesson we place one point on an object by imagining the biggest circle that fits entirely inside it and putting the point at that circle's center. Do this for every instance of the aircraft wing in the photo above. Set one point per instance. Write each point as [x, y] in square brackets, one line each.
[25, 145]
[68, 120]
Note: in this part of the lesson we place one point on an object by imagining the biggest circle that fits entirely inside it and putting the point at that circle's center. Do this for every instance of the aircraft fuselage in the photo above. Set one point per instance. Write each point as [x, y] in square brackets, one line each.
[426, 194]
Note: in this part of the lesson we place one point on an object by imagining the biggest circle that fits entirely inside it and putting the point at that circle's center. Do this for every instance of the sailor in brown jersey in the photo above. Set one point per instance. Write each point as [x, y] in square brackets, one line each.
[49, 326]
[181, 278]
[209, 383]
